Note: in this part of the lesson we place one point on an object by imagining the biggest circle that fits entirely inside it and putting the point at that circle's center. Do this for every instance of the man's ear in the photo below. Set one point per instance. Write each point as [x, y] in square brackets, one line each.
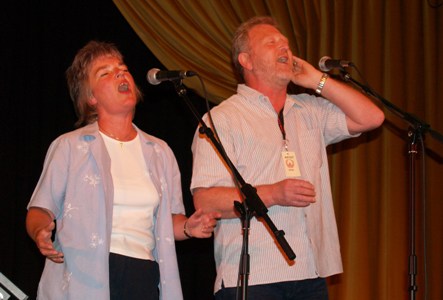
[245, 60]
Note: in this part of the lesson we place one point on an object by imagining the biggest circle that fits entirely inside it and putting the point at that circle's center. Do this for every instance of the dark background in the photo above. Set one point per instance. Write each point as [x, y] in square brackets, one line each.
[38, 42]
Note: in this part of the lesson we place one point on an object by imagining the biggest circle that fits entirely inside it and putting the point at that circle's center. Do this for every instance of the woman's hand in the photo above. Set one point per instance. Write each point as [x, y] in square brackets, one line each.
[40, 224]
[201, 225]
[45, 245]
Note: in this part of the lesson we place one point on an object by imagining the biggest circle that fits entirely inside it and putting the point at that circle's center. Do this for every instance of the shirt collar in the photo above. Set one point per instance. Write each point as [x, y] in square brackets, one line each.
[251, 95]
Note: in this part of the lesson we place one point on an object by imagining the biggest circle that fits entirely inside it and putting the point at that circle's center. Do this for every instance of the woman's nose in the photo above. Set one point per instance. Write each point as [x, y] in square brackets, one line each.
[119, 74]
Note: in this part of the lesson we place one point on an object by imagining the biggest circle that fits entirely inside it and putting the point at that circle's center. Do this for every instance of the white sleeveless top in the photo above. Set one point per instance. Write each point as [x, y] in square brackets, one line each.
[135, 200]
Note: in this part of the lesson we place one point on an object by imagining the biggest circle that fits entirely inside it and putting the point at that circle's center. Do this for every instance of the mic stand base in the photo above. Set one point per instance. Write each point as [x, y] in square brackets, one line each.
[245, 217]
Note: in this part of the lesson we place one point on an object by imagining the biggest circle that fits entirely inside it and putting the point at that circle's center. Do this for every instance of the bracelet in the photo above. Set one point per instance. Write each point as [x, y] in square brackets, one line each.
[321, 84]
[184, 230]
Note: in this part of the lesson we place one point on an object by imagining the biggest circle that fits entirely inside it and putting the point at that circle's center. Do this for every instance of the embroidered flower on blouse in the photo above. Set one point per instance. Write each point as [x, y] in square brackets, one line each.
[66, 279]
[92, 179]
[157, 149]
[83, 147]
[163, 183]
[67, 210]
[95, 241]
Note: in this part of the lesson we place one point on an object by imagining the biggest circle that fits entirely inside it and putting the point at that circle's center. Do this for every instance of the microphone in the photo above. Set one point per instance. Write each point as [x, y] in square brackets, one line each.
[155, 76]
[326, 64]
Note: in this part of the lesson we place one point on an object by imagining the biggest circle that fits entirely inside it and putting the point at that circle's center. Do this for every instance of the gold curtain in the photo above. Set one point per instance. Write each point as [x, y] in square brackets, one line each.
[396, 46]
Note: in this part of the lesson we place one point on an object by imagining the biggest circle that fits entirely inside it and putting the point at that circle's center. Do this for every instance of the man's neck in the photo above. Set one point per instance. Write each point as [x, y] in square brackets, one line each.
[275, 94]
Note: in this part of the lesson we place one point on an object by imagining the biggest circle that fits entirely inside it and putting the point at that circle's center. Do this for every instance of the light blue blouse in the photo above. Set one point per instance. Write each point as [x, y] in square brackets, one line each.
[76, 185]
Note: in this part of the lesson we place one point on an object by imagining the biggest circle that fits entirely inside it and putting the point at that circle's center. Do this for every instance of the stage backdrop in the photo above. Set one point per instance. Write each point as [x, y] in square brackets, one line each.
[397, 48]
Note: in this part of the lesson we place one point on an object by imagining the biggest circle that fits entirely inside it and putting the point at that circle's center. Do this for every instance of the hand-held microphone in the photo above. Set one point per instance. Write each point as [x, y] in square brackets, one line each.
[326, 64]
[155, 76]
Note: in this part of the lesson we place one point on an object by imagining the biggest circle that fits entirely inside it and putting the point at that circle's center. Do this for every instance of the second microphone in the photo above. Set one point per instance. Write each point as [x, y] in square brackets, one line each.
[156, 76]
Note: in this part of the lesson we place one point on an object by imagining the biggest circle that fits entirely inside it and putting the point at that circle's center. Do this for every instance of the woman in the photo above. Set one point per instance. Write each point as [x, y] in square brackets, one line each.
[112, 193]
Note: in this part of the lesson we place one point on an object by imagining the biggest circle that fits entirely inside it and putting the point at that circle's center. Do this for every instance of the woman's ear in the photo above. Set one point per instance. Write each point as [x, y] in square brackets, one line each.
[91, 99]
[245, 60]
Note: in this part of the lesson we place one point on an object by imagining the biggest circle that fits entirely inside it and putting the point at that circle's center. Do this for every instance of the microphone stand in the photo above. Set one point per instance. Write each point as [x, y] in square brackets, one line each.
[415, 134]
[244, 257]
[252, 204]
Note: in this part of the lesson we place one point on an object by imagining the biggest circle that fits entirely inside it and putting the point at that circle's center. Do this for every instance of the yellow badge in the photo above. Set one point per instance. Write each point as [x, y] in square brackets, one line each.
[290, 164]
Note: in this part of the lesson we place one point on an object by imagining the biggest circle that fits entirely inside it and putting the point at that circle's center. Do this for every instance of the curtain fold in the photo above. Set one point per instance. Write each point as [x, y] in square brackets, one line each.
[397, 48]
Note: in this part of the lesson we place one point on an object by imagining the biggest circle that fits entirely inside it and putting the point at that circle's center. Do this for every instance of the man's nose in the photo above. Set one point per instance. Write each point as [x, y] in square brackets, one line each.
[284, 48]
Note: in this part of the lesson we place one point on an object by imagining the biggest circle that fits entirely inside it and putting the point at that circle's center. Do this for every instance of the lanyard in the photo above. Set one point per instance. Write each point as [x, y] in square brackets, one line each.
[281, 125]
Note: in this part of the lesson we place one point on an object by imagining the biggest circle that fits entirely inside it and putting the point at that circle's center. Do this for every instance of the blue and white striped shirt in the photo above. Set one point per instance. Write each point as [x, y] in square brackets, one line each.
[248, 128]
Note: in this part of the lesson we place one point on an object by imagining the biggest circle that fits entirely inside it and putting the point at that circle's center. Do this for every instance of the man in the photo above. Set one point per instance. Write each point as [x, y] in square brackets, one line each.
[278, 144]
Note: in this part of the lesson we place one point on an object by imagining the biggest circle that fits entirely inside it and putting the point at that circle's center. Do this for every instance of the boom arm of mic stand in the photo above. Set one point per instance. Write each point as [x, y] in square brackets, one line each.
[253, 202]
[414, 121]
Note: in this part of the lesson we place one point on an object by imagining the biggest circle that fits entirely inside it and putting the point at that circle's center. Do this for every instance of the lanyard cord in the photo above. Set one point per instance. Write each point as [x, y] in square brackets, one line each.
[281, 124]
